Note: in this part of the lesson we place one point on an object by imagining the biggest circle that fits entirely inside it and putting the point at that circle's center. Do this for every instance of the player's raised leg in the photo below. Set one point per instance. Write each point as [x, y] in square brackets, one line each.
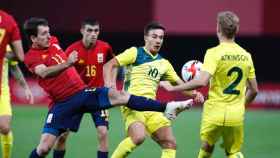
[120, 98]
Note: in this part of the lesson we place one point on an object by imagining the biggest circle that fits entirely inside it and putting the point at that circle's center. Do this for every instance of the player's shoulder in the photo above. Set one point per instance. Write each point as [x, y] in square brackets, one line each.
[32, 54]
[103, 43]
[6, 18]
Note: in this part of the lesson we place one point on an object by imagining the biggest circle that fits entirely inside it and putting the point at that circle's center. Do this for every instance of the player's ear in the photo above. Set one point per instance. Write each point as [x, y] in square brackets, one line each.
[33, 38]
[82, 30]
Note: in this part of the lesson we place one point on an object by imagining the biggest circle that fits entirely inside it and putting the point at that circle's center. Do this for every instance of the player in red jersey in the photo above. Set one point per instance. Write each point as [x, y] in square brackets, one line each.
[71, 98]
[92, 55]
[9, 34]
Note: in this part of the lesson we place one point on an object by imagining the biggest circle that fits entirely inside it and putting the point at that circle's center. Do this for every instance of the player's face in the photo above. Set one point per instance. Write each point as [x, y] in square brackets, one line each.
[43, 37]
[154, 40]
[90, 34]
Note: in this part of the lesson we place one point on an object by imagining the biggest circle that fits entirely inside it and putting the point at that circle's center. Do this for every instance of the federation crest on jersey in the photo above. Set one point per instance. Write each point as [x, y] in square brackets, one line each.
[100, 57]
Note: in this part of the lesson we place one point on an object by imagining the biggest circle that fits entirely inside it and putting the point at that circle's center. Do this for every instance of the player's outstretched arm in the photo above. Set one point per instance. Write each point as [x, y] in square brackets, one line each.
[252, 90]
[202, 80]
[110, 73]
[49, 71]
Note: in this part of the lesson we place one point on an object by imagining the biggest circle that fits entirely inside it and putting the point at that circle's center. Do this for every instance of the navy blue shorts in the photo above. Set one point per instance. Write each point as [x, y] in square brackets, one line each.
[67, 114]
[100, 118]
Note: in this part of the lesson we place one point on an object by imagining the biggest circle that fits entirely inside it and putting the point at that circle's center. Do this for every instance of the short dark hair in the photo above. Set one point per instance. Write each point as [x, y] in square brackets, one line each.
[228, 22]
[153, 25]
[89, 21]
[31, 25]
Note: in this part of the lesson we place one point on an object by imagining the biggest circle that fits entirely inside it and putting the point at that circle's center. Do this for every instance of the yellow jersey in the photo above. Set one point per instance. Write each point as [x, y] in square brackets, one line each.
[143, 71]
[230, 66]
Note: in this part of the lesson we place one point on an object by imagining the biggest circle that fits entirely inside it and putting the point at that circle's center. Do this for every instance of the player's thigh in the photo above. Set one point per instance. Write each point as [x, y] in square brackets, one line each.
[210, 132]
[100, 119]
[5, 104]
[156, 121]
[131, 116]
[118, 98]
[233, 139]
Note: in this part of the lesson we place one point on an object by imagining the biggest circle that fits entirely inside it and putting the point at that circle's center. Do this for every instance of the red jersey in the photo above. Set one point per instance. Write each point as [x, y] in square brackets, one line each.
[9, 33]
[90, 61]
[59, 87]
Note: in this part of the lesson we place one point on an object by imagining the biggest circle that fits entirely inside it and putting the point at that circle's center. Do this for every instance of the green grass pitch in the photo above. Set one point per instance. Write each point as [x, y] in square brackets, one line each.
[262, 135]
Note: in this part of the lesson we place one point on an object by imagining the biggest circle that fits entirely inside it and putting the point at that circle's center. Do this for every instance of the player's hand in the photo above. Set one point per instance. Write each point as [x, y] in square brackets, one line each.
[72, 58]
[29, 95]
[166, 85]
[111, 85]
[198, 97]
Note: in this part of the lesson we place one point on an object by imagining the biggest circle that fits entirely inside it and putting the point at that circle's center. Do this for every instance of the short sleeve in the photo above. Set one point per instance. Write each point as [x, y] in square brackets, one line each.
[127, 57]
[252, 69]
[15, 33]
[170, 74]
[210, 62]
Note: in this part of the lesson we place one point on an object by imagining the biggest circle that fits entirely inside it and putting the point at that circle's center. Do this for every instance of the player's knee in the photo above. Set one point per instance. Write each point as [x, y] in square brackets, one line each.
[5, 129]
[44, 149]
[138, 140]
[102, 134]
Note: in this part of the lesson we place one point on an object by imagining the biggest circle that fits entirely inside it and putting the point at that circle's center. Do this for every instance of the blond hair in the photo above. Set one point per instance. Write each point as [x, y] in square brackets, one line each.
[228, 23]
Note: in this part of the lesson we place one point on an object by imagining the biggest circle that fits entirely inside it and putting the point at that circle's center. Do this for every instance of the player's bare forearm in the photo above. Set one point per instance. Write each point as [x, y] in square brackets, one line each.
[252, 90]
[18, 50]
[250, 96]
[51, 71]
[16, 72]
[110, 73]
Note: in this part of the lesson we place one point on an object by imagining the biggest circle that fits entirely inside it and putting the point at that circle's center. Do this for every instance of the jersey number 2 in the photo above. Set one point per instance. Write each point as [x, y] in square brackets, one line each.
[231, 88]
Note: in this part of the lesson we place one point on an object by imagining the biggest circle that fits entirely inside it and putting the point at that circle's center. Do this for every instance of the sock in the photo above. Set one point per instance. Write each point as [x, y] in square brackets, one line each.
[203, 154]
[168, 153]
[34, 154]
[144, 104]
[58, 153]
[124, 148]
[236, 155]
[6, 144]
[102, 154]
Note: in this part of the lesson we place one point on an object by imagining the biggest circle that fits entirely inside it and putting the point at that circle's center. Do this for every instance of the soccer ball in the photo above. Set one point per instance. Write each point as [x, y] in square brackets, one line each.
[190, 70]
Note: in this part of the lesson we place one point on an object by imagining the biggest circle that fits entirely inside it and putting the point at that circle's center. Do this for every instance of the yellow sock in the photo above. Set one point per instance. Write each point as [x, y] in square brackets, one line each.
[236, 155]
[168, 153]
[124, 148]
[6, 144]
[203, 154]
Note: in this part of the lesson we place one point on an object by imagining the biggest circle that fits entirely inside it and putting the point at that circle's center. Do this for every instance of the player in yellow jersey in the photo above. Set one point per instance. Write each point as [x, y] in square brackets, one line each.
[230, 70]
[5, 105]
[144, 70]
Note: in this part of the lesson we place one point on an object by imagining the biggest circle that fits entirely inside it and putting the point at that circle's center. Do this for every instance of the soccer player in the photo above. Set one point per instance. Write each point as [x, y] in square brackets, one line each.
[230, 70]
[9, 34]
[92, 55]
[144, 70]
[71, 98]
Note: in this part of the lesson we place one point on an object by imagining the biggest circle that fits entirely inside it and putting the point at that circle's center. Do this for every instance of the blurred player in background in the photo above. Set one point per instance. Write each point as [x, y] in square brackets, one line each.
[230, 70]
[5, 103]
[92, 55]
[70, 95]
[144, 70]
[9, 34]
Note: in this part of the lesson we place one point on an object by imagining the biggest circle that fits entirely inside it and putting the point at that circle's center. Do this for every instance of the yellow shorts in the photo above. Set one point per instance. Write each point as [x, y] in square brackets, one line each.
[152, 120]
[232, 136]
[5, 103]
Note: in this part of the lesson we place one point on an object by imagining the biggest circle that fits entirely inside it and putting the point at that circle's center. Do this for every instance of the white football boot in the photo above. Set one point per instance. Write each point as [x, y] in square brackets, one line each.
[173, 108]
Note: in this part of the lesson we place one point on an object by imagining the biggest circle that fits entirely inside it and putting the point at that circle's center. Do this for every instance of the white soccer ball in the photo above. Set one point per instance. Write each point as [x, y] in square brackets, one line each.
[191, 69]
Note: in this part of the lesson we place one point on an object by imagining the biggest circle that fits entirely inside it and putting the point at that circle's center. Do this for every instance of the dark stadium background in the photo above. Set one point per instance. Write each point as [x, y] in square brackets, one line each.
[190, 31]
